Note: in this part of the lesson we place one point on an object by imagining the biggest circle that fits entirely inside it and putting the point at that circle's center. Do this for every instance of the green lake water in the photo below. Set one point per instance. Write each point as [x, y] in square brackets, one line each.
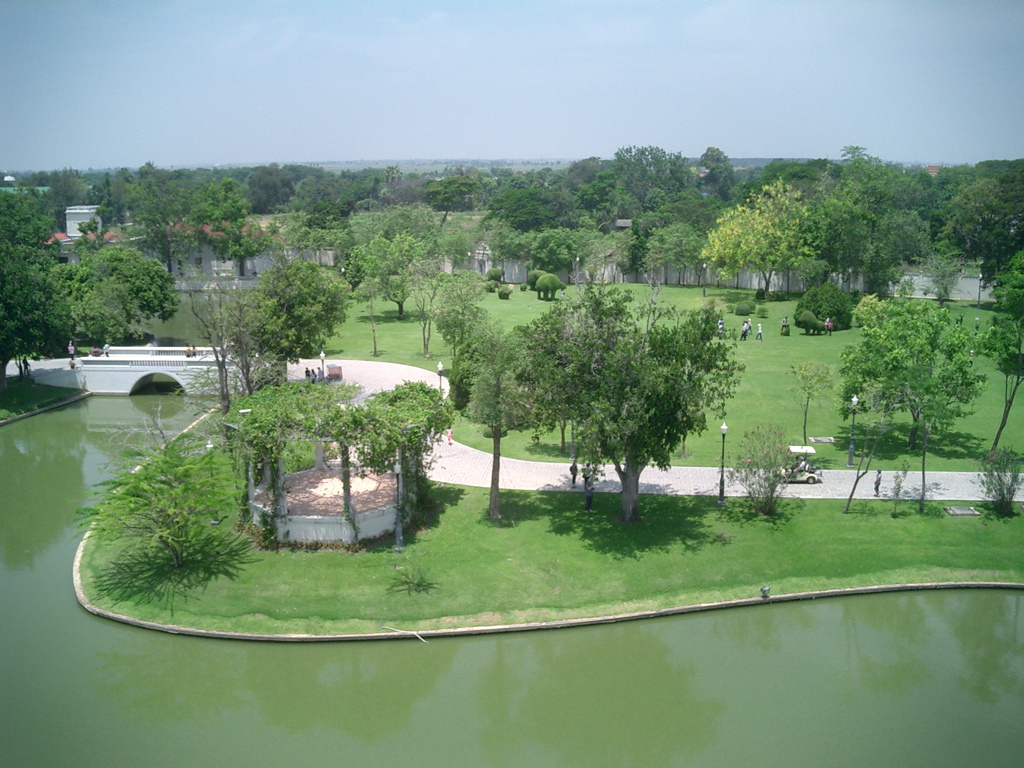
[914, 679]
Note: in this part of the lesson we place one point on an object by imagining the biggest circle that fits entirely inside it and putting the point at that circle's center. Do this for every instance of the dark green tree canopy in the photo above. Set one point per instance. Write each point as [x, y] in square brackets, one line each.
[34, 315]
[643, 378]
[115, 291]
[301, 306]
[270, 187]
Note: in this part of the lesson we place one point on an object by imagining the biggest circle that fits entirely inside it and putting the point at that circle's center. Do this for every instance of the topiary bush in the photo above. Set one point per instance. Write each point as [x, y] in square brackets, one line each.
[495, 274]
[504, 292]
[548, 285]
[762, 312]
[533, 276]
[491, 286]
[745, 308]
[524, 287]
[759, 295]
[828, 301]
[812, 325]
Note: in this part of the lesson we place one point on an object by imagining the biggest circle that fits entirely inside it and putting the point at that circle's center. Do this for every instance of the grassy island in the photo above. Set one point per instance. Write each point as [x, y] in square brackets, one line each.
[548, 560]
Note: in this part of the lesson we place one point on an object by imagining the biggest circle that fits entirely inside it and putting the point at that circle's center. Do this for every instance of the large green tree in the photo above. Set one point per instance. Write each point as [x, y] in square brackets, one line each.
[457, 312]
[763, 235]
[159, 202]
[219, 218]
[34, 314]
[453, 193]
[302, 304]
[270, 187]
[645, 377]
[652, 176]
[718, 177]
[914, 356]
[115, 291]
[986, 221]
[1004, 341]
[499, 401]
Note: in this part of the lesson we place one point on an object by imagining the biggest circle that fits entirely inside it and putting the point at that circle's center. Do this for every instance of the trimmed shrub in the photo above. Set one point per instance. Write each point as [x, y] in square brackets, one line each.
[495, 274]
[759, 295]
[533, 276]
[504, 292]
[548, 285]
[491, 286]
[828, 301]
[762, 312]
[745, 308]
[524, 287]
[811, 324]
[778, 296]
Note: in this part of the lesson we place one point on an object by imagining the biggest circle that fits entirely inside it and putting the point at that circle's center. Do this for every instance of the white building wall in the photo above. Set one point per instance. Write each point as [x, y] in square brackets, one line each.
[77, 215]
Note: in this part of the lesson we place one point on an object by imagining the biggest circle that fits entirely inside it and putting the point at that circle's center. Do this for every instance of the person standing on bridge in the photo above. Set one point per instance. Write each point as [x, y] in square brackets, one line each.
[106, 350]
[71, 349]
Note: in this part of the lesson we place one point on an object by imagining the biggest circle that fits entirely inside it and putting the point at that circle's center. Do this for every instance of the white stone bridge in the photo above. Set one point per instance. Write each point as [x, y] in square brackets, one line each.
[127, 369]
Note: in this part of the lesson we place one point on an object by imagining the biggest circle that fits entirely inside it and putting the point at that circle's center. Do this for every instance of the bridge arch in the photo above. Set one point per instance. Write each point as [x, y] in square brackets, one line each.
[158, 380]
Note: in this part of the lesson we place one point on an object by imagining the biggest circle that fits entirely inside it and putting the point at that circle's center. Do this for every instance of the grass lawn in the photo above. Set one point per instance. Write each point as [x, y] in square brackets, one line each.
[763, 395]
[24, 396]
[548, 560]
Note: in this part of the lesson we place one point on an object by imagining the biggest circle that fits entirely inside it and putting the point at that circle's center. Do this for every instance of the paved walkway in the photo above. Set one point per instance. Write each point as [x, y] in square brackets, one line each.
[461, 465]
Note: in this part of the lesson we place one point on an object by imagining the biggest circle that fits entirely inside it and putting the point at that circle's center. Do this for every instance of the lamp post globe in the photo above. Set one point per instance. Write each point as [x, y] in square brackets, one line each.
[853, 425]
[703, 284]
[721, 479]
[322, 358]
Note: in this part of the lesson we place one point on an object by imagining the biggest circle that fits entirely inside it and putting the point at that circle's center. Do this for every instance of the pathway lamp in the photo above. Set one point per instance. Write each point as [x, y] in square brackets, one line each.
[853, 423]
[399, 538]
[721, 480]
[322, 358]
[440, 379]
[979, 291]
[703, 284]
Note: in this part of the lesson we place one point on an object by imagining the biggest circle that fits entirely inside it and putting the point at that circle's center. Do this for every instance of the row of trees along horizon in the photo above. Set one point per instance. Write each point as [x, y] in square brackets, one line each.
[392, 232]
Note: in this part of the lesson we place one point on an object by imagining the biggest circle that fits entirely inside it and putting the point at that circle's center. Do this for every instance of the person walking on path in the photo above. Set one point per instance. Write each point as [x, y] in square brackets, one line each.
[878, 483]
[759, 337]
[448, 434]
[71, 349]
[588, 491]
[573, 471]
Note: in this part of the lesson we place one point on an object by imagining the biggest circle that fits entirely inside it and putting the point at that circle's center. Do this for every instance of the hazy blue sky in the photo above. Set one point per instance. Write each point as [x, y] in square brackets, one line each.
[98, 83]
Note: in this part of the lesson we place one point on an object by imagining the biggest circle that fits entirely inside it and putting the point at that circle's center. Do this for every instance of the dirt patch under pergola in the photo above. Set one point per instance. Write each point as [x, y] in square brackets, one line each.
[317, 492]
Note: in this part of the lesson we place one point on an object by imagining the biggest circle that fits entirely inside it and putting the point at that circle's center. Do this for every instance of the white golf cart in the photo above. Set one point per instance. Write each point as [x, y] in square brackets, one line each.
[799, 469]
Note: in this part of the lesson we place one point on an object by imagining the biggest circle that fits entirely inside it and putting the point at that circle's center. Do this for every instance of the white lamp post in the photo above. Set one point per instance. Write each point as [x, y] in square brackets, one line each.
[703, 284]
[721, 481]
[322, 358]
[979, 291]
[853, 424]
